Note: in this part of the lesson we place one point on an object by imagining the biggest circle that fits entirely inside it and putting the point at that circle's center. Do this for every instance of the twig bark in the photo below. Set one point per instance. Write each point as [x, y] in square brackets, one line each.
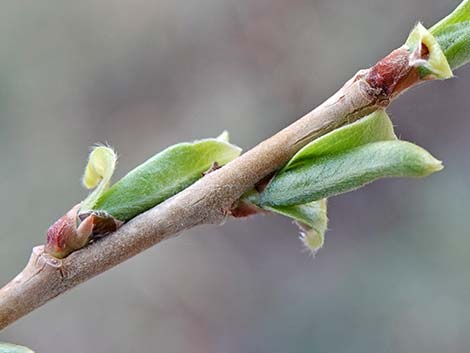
[209, 200]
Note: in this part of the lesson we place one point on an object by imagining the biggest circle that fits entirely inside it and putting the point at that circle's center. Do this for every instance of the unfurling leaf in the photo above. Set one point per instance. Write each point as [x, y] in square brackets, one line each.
[346, 171]
[98, 173]
[79, 225]
[13, 348]
[435, 62]
[164, 175]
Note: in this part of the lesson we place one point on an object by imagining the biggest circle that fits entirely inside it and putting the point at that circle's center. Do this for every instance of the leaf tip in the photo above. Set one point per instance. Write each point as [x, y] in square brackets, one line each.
[434, 165]
[311, 238]
[429, 164]
[101, 164]
[224, 136]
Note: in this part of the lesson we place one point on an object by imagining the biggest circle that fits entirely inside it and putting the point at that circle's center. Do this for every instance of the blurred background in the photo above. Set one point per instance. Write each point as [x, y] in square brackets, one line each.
[394, 273]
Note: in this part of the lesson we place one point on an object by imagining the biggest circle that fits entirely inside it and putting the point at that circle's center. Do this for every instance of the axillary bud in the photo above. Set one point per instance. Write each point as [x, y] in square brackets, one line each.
[74, 230]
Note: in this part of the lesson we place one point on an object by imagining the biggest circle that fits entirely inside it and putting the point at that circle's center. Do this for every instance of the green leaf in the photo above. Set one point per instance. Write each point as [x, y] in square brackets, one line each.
[311, 217]
[345, 171]
[345, 159]
[453, 35]
[455, 43]
[312, 220]
[374, 127]
[13, 348]
[459, 15]
[98, 173]
[164, 175]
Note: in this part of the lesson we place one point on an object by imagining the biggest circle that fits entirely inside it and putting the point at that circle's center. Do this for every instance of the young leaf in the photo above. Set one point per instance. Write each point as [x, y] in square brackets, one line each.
[164, 175]
[374, 127]
[436, 63]
[13, 348]
[334, 174]
[98, 173]
[453, 35]
[312, 217]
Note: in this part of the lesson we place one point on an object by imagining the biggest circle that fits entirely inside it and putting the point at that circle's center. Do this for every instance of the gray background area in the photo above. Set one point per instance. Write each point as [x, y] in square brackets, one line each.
[394, 274]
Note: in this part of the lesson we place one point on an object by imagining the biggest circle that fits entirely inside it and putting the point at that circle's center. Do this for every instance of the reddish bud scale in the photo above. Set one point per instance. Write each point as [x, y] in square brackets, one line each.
[73, 231]
[57, 232]
[61, 234]
[393, 74]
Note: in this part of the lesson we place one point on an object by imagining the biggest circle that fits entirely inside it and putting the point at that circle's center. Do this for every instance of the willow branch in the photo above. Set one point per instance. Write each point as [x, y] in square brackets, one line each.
[209, 200]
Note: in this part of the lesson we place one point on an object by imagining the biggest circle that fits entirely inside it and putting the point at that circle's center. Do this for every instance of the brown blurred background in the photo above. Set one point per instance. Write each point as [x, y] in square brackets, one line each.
[394, 275]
